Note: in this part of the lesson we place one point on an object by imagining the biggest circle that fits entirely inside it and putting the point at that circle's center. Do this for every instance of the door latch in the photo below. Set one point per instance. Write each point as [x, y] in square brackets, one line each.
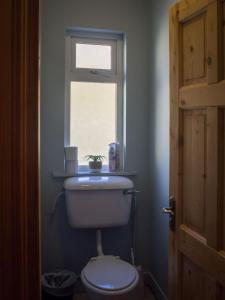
[171, 212]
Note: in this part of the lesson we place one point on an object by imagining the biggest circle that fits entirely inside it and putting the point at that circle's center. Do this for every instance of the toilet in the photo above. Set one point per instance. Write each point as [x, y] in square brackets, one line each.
[99, 202]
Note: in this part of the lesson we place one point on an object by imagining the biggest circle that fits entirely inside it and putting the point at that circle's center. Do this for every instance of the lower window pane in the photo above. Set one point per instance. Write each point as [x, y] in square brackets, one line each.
[92, 118]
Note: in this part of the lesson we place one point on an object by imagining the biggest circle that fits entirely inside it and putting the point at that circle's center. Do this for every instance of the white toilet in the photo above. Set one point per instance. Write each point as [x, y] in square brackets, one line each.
[100, 202]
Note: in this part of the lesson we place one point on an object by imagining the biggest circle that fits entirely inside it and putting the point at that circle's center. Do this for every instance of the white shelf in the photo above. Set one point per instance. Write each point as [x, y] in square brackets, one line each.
[58, 175]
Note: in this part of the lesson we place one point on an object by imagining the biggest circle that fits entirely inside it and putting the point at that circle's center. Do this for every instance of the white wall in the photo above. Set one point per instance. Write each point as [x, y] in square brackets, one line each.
[62, 246]
[159, 138]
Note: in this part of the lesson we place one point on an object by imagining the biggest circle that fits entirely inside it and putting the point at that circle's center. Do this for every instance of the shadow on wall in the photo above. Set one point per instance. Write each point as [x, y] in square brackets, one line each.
[159, 139]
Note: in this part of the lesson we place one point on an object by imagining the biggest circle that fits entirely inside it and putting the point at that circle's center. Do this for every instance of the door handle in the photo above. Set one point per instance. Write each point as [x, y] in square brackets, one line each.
[171, 210]
[168, 210]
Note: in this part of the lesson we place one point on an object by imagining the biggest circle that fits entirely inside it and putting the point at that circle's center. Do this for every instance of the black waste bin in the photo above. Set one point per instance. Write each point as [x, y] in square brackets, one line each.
[58, 285]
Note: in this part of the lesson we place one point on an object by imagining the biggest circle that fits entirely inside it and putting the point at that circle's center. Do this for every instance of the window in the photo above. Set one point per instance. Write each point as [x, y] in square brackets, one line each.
[94, 93]
[93, 56]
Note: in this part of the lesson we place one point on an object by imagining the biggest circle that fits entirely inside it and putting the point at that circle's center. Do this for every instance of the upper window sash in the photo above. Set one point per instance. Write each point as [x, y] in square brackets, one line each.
[115, 74]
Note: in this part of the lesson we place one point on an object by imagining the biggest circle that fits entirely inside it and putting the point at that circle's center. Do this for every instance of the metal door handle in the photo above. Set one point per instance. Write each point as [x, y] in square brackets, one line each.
[168, 210]
[171, 212]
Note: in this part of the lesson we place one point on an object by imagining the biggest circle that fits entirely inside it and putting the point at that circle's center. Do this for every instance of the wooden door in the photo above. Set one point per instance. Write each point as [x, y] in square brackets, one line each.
[197, 152]
[19, 202]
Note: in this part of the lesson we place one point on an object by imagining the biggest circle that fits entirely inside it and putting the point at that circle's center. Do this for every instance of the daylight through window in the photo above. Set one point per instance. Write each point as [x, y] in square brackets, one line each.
[94, 89]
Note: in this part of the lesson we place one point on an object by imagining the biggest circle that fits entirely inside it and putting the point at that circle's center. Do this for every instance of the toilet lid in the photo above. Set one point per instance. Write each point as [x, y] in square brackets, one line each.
[109, 273]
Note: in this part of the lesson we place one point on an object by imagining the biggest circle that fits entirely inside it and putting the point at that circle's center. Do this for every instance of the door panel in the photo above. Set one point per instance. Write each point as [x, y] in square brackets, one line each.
[193, 50]
[197, 152]
[194, 159]
[196, 283]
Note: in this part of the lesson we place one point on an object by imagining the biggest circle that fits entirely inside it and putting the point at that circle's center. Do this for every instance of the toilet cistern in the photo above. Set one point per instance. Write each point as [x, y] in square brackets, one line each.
[98, 201]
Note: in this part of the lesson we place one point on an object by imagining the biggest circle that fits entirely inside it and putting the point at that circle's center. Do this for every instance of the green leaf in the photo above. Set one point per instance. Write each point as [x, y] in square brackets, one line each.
[95, 157]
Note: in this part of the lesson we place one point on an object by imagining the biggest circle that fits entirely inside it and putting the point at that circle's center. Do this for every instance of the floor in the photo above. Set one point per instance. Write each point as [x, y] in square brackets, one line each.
[82, 296]
[141, 292]
[147, 296]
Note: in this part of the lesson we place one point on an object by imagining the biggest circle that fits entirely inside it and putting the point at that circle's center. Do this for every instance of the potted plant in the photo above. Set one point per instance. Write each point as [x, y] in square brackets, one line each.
[95, 162]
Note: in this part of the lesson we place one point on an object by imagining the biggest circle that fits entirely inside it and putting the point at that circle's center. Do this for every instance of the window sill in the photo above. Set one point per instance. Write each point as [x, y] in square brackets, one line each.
[58, 175]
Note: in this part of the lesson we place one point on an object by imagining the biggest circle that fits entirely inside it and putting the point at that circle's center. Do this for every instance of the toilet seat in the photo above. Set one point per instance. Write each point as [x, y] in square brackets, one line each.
[109, 275]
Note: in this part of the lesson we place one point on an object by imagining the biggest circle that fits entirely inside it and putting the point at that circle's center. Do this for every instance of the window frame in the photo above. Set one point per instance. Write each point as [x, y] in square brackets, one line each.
[115, 75]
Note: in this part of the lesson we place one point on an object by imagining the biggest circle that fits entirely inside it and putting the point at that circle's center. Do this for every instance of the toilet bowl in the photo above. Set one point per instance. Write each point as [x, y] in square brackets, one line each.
[108, 277]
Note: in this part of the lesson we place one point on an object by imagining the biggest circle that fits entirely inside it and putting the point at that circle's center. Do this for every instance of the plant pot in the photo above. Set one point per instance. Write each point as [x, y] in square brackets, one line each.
[95, 166]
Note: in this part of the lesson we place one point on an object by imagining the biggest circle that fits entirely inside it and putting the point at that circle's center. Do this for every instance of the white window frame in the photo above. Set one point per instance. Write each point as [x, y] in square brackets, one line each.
[115, 75]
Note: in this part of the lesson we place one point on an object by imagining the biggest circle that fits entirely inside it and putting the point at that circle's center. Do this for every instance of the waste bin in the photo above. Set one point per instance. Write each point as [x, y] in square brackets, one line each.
[58, 285]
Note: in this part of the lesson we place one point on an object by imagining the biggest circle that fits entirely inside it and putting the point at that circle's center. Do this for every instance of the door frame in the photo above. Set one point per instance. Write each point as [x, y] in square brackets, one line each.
[19, 150]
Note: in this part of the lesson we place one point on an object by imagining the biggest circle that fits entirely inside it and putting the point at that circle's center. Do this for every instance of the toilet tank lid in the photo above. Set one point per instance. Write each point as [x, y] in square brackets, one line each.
[98, 183]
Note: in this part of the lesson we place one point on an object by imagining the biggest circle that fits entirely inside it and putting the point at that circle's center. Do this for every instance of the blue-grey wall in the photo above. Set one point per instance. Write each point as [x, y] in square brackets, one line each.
[145, 24]
[63, 247]
[159, 138]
